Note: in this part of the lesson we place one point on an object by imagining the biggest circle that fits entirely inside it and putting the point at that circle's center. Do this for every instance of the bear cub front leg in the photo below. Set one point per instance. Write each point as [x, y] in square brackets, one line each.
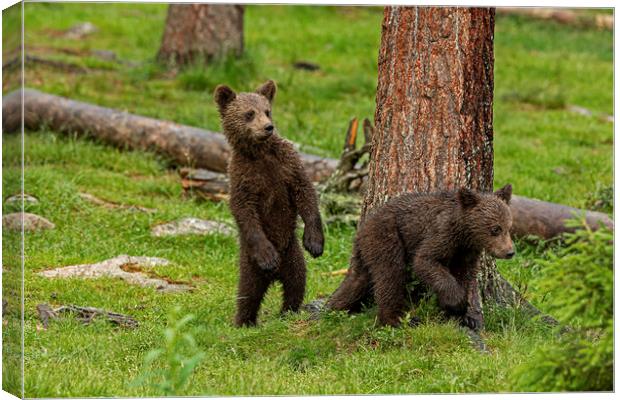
[451, 295]
[308, 208]
[453, 300]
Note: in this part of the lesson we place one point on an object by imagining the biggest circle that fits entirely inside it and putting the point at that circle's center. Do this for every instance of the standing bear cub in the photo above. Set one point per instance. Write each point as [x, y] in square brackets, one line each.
[441, 236]
[268, 189]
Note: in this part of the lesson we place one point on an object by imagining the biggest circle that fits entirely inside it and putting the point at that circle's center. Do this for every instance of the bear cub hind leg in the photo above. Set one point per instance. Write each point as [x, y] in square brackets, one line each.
[253, 284]
[293, 278]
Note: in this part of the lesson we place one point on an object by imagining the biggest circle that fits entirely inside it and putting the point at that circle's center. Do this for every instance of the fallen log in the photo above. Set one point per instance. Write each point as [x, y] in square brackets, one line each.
[530, 217]
[205, 184]
[189, 146]
[563, 16]
[183, 145]
[548, 220]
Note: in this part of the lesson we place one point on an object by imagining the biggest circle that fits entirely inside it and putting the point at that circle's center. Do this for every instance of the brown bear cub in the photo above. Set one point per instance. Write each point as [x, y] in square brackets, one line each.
[441, 236]
[268, 189]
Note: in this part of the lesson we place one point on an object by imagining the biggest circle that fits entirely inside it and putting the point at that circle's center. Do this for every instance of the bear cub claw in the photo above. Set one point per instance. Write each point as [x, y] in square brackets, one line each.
[472, 321]
[414, 321]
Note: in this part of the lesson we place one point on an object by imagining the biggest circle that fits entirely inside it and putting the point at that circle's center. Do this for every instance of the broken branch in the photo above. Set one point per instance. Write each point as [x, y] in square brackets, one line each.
[84, 315]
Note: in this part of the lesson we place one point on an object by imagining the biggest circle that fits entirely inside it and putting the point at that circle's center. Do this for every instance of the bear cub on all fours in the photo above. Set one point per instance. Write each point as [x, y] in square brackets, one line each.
[441, 237]
[268, 189]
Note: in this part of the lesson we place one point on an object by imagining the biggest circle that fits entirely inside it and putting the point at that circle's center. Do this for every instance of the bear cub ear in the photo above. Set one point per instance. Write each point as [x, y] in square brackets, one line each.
[505, 193]
[223, 96]
[268, 89]
[468, 198]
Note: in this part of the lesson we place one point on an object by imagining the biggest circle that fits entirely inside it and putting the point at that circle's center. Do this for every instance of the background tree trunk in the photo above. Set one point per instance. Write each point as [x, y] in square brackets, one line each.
[434, 113]
[201, 32]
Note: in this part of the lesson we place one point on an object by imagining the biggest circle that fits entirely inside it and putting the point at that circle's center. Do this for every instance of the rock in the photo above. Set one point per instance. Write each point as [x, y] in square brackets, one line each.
[191, 225]
[587, 113]
[315, 308]
[579, 110]
[106, 55]
[32, 222]
[128, 268]
[17, 198]
[80, 30]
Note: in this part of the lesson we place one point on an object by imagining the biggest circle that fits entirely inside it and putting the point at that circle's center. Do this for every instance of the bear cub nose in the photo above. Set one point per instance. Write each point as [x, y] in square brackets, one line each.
[269, 128]
[510, 254]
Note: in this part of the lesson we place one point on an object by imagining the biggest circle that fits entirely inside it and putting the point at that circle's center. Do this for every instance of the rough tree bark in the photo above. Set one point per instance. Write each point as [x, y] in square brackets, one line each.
[201, 32]
[434, 112]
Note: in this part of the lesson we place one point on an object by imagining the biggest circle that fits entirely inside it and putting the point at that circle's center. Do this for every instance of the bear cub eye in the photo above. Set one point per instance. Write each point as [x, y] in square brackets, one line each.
[496, 230]
[268, 113]
[249, 116]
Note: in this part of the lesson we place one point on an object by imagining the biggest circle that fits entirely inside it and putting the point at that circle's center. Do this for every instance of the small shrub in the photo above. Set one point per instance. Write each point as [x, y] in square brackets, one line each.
[602, 199]
[578, 280]
[176, 360]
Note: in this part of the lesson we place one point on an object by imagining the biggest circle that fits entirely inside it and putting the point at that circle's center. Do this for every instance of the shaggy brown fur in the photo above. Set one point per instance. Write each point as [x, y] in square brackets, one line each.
[268, 189]
[441, 236]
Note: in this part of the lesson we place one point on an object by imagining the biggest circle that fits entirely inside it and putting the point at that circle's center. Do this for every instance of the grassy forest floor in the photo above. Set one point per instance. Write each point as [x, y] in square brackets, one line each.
[542, 147]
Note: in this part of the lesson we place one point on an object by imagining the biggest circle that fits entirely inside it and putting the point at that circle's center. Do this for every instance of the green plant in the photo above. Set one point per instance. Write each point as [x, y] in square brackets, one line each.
[578, 280]
[176, 360]
[602, 199]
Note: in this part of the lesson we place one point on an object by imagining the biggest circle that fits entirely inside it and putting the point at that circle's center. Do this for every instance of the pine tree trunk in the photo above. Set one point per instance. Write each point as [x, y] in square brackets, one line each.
[201, 32]
[434, 112]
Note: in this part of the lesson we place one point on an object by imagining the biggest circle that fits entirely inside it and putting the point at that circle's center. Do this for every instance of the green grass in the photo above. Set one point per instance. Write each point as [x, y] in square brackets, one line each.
[544, 150]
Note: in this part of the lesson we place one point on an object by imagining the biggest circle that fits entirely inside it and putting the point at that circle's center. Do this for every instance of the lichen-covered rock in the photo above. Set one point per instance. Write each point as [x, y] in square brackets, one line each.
[32, 222]
[191, 225]
[81, 30]
[129, 268]
[17, 198]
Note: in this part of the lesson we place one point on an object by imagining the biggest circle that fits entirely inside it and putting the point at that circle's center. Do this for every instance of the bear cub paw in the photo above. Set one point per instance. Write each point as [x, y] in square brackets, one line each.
[313, 242]
[267, 257]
